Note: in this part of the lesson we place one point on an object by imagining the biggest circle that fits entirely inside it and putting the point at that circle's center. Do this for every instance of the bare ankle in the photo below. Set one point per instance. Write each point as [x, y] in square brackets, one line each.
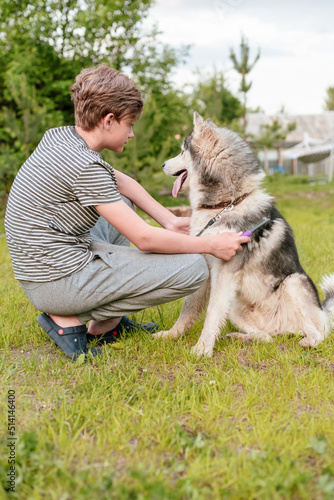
[99, 327]
[65, 321]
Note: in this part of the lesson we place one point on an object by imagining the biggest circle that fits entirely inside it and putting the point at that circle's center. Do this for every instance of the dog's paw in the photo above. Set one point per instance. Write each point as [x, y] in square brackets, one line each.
[201, 349]
[249, 338]
[307, 342]
[166, 334]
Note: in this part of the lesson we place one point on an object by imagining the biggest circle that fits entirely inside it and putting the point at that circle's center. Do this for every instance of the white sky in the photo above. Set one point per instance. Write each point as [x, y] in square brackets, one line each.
[296, 38]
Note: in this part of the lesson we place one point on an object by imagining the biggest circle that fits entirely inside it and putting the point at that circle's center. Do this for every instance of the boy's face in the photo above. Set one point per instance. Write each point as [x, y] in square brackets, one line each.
[119, 133]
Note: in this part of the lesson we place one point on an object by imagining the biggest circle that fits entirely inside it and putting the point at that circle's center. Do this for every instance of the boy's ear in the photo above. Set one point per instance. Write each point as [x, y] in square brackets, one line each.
[108, 119]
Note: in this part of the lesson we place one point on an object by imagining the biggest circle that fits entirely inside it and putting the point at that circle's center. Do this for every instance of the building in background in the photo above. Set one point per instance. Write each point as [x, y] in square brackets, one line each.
[315, 132]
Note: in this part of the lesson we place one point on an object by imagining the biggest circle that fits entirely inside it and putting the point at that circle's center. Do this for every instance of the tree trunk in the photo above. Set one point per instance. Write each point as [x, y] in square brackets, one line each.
[266, 163]
[280, 156]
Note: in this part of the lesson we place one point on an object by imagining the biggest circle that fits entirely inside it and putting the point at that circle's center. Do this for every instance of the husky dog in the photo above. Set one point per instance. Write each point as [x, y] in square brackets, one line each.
[263, 290]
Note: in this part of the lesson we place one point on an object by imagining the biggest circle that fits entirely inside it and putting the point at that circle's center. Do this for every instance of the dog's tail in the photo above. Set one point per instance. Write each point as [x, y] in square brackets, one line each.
[327, 286]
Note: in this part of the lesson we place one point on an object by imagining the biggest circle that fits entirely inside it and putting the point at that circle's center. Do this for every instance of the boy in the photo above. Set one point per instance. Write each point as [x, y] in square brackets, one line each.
[69, 222]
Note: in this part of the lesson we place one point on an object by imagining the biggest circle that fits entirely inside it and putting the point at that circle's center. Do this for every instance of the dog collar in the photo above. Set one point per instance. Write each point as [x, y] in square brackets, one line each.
[229, 205]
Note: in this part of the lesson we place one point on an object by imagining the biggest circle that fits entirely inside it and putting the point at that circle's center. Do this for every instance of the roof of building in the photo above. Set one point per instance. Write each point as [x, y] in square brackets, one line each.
[319, 126]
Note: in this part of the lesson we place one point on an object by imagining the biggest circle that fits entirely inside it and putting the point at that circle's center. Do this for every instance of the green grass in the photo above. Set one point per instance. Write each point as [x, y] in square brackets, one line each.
[147, 421]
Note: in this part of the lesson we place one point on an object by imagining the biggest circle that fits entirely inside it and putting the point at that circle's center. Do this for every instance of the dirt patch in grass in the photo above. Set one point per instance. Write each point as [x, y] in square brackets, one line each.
[41, 352]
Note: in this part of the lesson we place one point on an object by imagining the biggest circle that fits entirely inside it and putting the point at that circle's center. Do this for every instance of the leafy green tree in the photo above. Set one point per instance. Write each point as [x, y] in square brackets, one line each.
[50, 41]
[87, 31]
[212, 97]
[152, 63]
[243, 66]
[28, 122]
[330, 99]
[21, 126]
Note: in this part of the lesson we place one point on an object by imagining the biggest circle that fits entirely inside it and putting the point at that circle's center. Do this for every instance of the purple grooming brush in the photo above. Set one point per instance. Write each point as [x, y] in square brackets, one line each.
[250, 231]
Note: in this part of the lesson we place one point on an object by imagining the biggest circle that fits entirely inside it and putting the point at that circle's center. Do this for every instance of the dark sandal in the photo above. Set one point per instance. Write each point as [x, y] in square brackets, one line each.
[124, 326]
[71, 340]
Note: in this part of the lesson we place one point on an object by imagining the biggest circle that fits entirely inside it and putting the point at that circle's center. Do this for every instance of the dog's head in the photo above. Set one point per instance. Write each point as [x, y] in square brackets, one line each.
[215, 161]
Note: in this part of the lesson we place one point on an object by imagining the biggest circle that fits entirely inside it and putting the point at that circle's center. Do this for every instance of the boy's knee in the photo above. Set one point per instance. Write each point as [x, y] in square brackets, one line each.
[202, 270]
[194, 274]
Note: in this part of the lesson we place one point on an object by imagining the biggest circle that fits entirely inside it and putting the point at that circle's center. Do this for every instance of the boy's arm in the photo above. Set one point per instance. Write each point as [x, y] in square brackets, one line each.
[158, 240]
[143, 200]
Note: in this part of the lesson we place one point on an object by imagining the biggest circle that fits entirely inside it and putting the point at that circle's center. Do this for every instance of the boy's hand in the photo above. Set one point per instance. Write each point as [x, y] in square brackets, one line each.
[226, 245]
[179, 225]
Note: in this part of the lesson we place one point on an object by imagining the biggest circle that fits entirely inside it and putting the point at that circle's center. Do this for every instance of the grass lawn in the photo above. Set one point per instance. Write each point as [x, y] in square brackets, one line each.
[148, 421]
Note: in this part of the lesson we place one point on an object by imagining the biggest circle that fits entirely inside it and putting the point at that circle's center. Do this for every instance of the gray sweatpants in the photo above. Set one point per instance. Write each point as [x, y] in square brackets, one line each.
[119, 280]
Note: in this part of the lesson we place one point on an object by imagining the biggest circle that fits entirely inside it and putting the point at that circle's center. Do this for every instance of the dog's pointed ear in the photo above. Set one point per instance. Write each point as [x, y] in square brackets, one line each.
[198, 120]
[210, 123]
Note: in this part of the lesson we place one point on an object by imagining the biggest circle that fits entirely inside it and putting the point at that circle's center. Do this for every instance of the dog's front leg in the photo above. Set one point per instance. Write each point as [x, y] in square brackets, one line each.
[223, 290]
[192, 307]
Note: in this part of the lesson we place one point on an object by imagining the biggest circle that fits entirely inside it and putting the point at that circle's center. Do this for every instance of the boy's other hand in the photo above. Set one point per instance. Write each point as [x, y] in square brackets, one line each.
[179, 225]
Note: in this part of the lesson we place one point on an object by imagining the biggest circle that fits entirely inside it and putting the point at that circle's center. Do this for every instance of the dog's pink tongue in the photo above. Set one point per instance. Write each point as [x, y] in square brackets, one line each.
[178, 183]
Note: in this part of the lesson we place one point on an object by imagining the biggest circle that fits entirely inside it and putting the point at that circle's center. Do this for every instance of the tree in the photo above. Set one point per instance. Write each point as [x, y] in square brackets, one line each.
[272, 134]
[50, 41]
[45, 43]
[212, 97]
[28, 122]
[244, 67]
[330, 99]
[85, 30]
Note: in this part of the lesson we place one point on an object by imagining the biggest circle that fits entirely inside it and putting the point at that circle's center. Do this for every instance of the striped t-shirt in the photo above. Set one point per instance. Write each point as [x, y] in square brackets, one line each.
[51, 206]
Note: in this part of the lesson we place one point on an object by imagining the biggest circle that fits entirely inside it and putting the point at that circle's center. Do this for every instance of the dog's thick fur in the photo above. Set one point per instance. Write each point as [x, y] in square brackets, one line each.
[263, 290]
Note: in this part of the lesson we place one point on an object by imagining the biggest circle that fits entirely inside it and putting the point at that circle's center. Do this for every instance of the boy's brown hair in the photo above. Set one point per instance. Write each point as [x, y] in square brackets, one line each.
[102, 90]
